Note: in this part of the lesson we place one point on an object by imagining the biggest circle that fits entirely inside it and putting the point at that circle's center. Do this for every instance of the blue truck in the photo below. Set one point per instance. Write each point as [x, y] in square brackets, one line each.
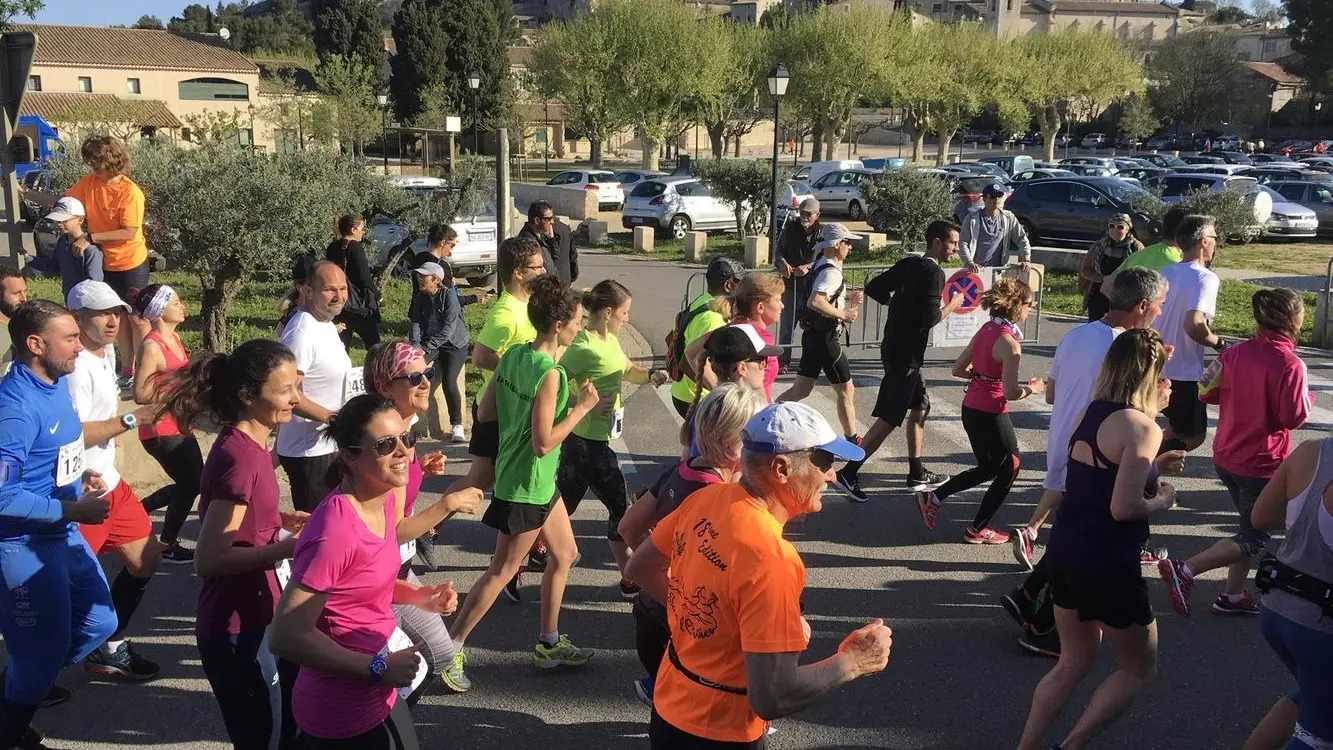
[34, 142]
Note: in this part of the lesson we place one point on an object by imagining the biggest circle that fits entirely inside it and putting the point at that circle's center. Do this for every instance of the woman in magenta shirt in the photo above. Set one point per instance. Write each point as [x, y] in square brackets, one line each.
[759, 302]
[991, 364]
[335, 618]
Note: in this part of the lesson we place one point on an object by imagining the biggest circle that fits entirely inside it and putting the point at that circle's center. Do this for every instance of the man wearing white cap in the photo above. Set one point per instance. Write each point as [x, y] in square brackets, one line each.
[732, 586]
[127, 531]
[76, 257]
[822, 317]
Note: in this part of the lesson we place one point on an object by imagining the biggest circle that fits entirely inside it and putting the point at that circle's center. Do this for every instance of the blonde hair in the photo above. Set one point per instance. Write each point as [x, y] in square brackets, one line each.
[719, 419]
[1006, 297]
[756, 287]
[1131, 370]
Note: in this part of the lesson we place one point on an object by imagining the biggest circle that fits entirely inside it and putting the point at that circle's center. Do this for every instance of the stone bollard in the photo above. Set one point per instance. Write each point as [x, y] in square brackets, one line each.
[756, 252]
[696, 247]
[598, 232]
[869, 242]
[643, 239]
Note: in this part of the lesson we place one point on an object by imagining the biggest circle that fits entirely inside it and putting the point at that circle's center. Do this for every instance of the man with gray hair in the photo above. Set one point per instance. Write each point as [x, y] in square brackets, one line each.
[1136, 298]
[795, 256]
[1184, 324]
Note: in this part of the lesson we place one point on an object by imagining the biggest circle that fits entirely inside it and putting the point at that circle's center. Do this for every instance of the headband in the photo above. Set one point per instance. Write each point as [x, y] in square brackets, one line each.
[402, 354]
[158, 303]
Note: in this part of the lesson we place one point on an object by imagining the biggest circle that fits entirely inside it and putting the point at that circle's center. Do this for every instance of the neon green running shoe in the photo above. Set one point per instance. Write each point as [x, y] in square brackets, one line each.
[562, 654]
[453, 676]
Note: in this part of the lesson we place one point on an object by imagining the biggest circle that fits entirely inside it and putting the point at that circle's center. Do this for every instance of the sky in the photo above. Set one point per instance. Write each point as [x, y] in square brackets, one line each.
[104, 13]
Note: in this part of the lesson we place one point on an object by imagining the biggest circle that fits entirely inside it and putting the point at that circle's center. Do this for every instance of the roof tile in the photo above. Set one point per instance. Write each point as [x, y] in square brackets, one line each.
[58, 107]
[133, 48]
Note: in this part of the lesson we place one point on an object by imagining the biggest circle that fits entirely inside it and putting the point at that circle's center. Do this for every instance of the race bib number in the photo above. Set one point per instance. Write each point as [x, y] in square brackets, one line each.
[617, 422]
[283, 568]
[354, 383]
[69, 462]
[407, 550]
[397, 642]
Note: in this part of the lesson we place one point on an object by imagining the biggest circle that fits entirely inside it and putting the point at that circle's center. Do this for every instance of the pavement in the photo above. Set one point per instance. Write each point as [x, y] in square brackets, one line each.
[957, 678]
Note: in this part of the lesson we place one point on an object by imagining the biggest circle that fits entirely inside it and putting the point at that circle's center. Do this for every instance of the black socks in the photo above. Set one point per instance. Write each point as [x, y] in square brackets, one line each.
[126, 593]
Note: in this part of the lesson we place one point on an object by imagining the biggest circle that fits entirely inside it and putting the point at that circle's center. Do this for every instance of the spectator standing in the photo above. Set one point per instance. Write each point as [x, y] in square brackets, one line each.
[440, 242]
[1101, 260]
[437, 327]
[361, 313]
[76, 257]
[796, 254]
[13, 292]
[992, 232]
[556, 240]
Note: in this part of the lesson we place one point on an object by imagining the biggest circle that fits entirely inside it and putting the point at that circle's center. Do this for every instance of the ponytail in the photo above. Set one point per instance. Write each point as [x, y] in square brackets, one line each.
[220, 384]
[724, 306]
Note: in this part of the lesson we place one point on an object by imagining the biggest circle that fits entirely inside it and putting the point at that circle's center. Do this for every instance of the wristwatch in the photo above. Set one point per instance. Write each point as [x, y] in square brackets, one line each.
[378, 666]
[1221, 344]
[128, 421]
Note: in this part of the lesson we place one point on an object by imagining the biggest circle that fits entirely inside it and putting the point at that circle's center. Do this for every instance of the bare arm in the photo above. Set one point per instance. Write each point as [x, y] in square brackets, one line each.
[648, 568]
[151, 361]
[1197, 328]
[313, 411]
[1141, 438]
[820, 304]
[1050, 392]
[962, 366]
[486, 411]
[114, 235]
[215, 555]
[485, 357]
[462, 501]
[780, 686]
[638, 520]
[294, 636]
[1010, 354]
[104, 429]
[547, 434]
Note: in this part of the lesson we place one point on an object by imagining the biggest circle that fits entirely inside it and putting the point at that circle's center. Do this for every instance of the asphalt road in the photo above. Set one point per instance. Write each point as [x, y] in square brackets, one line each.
[957, 679]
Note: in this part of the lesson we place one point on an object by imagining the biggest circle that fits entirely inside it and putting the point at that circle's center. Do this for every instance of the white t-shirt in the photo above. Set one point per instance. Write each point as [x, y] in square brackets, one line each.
[328, 379]
[827, 282]
[1078, 359]
[1191, 287]
[96, 395]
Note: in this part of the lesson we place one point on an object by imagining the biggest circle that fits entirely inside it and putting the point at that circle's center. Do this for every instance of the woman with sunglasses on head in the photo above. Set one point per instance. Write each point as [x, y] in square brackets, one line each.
[241, 543]
[1102, 260]
[397, 370]
[587, 460]
[530, 396]
[172, 445]
[335, 618]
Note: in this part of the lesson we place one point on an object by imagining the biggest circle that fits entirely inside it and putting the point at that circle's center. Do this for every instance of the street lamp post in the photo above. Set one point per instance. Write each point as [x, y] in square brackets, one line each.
[300, 132]
[777, 87]
[474, 83]
[383, 100]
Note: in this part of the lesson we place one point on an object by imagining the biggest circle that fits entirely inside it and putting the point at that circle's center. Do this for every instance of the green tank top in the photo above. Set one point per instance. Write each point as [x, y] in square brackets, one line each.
[520, 475]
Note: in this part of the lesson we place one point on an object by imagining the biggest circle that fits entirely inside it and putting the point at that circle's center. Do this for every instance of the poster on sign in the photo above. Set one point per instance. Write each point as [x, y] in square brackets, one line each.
[958, 329]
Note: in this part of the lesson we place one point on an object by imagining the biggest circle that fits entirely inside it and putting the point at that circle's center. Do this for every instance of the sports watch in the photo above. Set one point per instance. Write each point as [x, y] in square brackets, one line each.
[128, 421]
[378, 666]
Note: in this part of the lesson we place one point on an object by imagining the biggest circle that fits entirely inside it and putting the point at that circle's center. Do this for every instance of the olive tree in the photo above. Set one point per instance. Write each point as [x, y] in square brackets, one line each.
[731, 99]
[903, 202]
[741, 184]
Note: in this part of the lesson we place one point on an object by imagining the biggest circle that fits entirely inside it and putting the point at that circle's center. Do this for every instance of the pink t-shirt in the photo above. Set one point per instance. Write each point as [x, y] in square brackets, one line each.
[340, 557]
[771, 369]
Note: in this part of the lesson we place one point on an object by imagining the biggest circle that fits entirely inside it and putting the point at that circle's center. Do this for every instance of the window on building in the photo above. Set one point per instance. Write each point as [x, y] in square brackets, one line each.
[85, 84]
[213, 89]
[132, 84]
[1009, 5]
[34, 83]
[185, 134]
[245, 137]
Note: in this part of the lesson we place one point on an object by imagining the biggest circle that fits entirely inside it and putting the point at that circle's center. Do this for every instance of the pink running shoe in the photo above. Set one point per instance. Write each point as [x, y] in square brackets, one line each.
[1179, 584]
[929, 506]
[985, 536]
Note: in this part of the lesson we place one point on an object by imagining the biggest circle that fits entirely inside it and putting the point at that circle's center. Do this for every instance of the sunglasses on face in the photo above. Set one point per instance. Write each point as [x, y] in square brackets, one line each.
[385, 446]
[1118, 226]
[415, 379]
[546, 219]
[822, 459]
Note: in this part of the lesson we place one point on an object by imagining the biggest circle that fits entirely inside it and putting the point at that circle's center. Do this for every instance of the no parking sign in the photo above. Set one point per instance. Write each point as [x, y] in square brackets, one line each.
[967, 284]
[958, 329]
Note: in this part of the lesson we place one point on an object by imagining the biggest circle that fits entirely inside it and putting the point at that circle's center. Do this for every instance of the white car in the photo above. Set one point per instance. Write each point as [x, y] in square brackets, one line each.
[1093, 140]
[840, 192]
[610, 195]
[473, 258]
[1289, 219]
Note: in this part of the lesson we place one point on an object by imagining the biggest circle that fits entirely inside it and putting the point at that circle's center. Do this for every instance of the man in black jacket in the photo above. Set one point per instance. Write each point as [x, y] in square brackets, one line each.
[556, 240]
[793, 260]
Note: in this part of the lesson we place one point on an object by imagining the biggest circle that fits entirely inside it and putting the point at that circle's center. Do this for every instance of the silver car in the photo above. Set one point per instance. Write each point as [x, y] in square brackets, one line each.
[677, 205]
[840, 192]
[1289, 219]
[1314, 195]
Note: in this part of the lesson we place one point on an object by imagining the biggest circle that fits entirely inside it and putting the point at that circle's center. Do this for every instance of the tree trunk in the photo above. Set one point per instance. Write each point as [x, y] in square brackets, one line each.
[1048, 119]
[737, 152]
[717, 139]
[218, 292]
[396, 252]
[595, 152]
[650, 145]
[816, 144]
[831, 139]
[942, 149]
[918, 145]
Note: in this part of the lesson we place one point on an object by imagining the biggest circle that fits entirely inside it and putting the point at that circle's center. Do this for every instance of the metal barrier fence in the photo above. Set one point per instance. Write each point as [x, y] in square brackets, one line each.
[866, 332]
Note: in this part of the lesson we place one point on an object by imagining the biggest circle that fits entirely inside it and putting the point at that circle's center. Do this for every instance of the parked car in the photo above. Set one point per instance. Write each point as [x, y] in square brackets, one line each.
[814, 170]
[631, 177]
[1288, 218]
[789, 201]
[1141, 173]
[1091, 170]
[1227, 169]
[1126, 142]
[1124, 164]
[1278, 172]
[840, 192]
[1093, 140]
[966, 189]
[473, 258]
[979, 136]
[1165, 161]
[610, 196]
[977, 167]
[1201, 159]
[1011, 165]
[1318, 161]
[1042, 174]
[29, 210]
[1077, 209]
[1096, 161]
[1158, 143]
[1271, 159]
[680, 204]
[1233, 157]
[1176, 187]
[1316, 196]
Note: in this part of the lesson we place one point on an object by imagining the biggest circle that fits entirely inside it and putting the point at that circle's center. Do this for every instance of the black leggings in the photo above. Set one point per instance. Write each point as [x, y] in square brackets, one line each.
[996, 448]
[395, 733]
[591, 464]
[1038, 588]
[180, 457]
[448, 364]
[253, 689]
[365, 325]
[650, 638]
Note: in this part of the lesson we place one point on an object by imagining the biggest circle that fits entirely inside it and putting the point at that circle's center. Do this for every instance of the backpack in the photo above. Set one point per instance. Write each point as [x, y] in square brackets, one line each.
[815, 321]
[676, 344]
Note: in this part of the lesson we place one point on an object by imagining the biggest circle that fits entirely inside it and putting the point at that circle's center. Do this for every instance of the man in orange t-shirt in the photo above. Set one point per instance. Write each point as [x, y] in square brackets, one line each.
[733, 586]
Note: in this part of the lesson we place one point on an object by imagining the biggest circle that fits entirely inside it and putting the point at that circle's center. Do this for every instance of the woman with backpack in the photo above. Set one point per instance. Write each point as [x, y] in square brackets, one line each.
[361, 314]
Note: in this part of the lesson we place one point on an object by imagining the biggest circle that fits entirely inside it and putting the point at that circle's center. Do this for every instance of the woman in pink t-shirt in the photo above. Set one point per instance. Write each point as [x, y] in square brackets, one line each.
[335, 618]
[759, 302]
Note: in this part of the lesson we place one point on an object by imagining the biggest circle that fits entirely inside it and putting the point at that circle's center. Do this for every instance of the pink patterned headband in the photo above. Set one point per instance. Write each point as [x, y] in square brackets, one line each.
[402, 355]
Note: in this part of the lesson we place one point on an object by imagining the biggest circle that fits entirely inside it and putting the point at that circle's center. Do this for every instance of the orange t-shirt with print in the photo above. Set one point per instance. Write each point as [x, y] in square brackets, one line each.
[734, 587]
[112, 206]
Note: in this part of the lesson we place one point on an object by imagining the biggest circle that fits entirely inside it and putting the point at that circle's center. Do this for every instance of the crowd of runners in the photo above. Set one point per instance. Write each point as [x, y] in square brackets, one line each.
[313, 630]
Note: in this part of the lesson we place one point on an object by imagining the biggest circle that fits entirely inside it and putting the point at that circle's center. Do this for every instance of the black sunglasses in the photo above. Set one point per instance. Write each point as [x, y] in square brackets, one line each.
[387, 445]
[415, 379]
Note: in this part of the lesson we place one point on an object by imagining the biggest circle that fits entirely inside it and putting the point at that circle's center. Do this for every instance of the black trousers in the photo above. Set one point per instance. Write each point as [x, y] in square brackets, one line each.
[181, 459]
[650, 638]
[1038, 588]
[365, 325]
[241, 672]
[395, 733]
[312, 479]
[996, 448]
[447, 365]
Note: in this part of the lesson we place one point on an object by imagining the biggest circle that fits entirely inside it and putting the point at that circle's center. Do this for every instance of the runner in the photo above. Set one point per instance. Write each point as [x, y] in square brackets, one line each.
[734, 353]
[758, 302]
[1163, 253]
[1096, 578]
[1191, 302]
[587, 460]
[720, 418]
[49, 569]
[249, 393]
[740, 624]
[822, 319]
[723, 276]
[912, 290]
[175, 450]
[991, 361]
[1295, 618]
[127, 532]
[335, 618]
[530, 393]
[1260, 388]
[304, 447]
[397, 370]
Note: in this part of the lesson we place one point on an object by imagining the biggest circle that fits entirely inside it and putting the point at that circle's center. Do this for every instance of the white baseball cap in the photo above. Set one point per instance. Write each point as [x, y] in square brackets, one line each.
[94, 295]
[66, 208]
[833, 234]
[792, 426]
[430, 269]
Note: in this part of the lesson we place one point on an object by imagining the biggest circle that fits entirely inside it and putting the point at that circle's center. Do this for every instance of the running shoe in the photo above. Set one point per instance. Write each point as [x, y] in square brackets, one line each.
[562, 654]
[1150, 555]
[33, 740]
[54, 697]
[538, 558]
[1246, 605]
[175, 554]
[1179, 584]
[628, 589]
[643, 687]
[125, 382]
[985, 536]
[453, 676]
[855, 439]
[1019, 606]
[1023, 552]
[929, 506]
[926, 481]
[123, 663]
[511, 589]
[850, 485]
[426, 551]
[1046, 644]
[456, 434]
